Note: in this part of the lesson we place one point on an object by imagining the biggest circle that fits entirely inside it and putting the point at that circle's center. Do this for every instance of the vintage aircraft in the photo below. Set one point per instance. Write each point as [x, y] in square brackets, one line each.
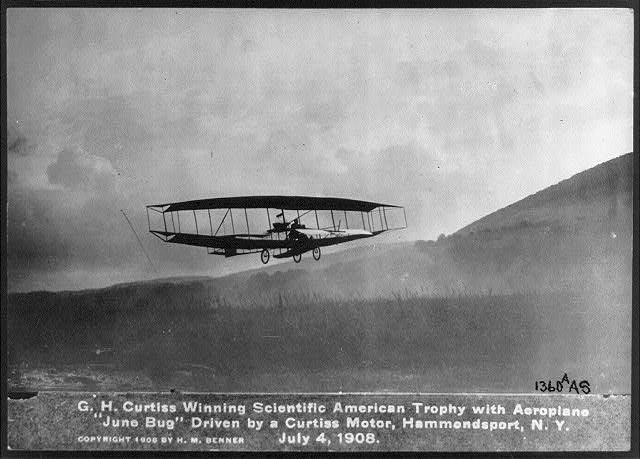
[244, 224]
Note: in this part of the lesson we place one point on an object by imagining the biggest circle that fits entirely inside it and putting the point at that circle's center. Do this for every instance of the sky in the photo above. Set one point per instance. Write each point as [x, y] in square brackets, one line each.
[452, 114]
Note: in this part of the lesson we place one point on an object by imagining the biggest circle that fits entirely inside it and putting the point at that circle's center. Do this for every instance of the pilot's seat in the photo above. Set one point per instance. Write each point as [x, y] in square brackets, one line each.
[277, 226]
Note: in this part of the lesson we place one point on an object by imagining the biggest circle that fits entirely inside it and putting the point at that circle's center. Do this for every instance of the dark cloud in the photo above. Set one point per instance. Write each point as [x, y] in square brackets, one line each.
[59, 227]
[33, 229]
[17, 143]
[76, 170]
[62, 237]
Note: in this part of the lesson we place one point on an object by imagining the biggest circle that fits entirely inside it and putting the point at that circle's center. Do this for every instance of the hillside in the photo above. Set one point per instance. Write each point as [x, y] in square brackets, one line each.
[597, 199]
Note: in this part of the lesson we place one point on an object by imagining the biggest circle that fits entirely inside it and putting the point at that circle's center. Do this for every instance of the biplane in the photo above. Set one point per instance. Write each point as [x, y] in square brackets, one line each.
[278, 226]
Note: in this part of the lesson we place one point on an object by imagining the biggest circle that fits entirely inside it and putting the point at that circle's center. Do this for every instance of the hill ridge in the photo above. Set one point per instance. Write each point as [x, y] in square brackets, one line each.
[611, 176]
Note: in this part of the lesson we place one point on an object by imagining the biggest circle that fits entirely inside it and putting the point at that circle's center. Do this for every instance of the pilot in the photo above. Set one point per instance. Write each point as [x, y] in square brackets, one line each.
[296, 225]
[277, 226]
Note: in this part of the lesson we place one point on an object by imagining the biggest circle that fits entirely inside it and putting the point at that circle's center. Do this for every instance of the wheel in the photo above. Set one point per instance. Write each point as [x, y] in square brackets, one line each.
[297, 257]
[316, 253]
[264, 256]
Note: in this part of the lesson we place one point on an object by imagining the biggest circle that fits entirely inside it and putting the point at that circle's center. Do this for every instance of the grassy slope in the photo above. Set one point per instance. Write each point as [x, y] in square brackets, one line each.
[593, 200]
[466, 343]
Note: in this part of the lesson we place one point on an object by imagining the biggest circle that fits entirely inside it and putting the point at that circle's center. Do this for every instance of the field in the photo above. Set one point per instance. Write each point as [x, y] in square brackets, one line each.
[186, 337]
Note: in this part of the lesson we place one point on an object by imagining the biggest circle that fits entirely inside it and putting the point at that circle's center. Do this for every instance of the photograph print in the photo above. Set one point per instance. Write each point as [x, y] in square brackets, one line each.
[319, 201]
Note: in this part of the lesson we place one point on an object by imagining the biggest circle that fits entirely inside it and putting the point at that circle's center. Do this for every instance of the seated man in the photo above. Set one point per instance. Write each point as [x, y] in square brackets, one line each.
[280, 227]
[296, 225]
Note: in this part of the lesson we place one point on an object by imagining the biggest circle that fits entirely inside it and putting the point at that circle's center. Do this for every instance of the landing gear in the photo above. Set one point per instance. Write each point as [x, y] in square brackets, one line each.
[316, 253]
[264, 256]
[297, 257]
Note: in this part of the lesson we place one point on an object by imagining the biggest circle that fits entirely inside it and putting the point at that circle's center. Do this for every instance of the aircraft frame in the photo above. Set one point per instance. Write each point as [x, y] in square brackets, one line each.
[302, 232]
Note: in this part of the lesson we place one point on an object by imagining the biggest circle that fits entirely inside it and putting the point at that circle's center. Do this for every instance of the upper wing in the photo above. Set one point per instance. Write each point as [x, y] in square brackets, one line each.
[274, 202]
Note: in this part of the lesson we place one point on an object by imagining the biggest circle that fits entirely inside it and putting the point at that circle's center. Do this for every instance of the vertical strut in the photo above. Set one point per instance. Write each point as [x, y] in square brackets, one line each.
[346, 222]
[210, 225]
[233, 228]
[316, 212]
[284, 220]
[385, 218]
[247, 220]
[333, 221]
[364, 227]
[195, 220]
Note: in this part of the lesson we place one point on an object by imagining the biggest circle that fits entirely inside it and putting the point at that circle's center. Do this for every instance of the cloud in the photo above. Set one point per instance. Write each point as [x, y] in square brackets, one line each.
[17, 143]
[77, 170]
